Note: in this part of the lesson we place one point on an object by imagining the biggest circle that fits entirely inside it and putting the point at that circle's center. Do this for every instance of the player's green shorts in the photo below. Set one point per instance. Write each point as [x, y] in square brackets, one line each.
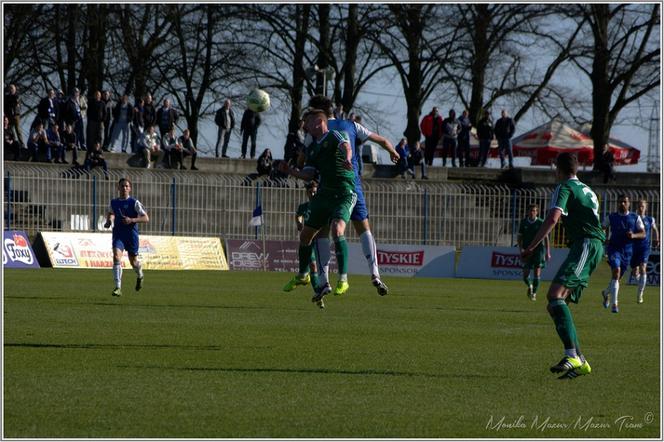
[537, 259]
[581, 262]
[326, 207]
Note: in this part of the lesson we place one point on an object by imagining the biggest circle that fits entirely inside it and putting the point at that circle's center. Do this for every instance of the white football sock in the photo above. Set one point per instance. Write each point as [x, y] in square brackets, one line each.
[138, 268]
[323, 255]
[614, 287]
[117, 275]
[369, 250]
[642, 281]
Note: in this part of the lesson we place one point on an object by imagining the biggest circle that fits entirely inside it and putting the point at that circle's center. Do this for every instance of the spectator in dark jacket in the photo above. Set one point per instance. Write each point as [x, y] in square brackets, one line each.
[485, 135]
[167, 117]
[46, 110]
[12, 148]
[96, 117]
[188, 147]
[69, 141]
[463, 146]
[12, 108]
[108, 113]
[264, 163]
[149, 112]
[95, 158]
[451, 130]
[122, 114]
[249, 129]
[225, 121]
[416, 158]
[504, 130]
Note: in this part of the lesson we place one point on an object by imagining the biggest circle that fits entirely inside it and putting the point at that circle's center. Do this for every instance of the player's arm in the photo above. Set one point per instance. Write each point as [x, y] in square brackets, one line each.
[550, 222]
[141, 218]
[656, 233]
[110, 216]
[519, 241]
[640, 230]
[548, 249]
[308, 173]
[344, 146]
[386, 145]
[299, 221]
[606, 225]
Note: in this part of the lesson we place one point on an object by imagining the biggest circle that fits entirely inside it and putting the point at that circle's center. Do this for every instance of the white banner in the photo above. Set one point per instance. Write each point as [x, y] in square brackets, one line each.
[405, 260]
[502, 263]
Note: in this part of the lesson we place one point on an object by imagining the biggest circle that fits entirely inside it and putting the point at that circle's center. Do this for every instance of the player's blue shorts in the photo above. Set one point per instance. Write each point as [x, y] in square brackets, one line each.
[619, 258]
[360, 212]
[639, 256]
[126, 241]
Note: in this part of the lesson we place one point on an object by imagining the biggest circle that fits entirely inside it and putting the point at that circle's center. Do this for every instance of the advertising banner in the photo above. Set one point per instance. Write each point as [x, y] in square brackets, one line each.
[502, 263]
[394, 260]
[652, 269]
[16, 250]
[278, 256]
[93, 251]
[405, 260]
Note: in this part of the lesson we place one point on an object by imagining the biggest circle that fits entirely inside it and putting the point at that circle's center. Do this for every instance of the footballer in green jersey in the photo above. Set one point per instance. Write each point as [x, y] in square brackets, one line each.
[528, 228]
[576, 204]
[329, 156]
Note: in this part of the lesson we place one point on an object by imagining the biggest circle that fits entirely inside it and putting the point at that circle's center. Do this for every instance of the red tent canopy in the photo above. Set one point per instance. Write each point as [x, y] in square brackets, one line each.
[545, 142]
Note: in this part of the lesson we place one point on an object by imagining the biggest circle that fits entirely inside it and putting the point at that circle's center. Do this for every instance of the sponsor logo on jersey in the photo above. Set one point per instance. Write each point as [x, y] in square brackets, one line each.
[400, 258]
[505, 260]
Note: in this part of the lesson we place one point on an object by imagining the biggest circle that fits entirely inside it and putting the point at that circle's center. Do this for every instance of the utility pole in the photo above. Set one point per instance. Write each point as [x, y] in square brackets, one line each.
[653, 141]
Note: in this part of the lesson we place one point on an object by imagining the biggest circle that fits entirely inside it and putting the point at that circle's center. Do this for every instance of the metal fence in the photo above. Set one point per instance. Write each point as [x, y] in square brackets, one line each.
[180, 203]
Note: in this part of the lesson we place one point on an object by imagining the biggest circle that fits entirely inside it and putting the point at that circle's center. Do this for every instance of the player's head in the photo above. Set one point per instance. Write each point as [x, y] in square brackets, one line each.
[124, 187]
[623, 203]
[315, 121]
[641, 206]
[566, 165]
[322, 102]
[312, 188]
[533, 211]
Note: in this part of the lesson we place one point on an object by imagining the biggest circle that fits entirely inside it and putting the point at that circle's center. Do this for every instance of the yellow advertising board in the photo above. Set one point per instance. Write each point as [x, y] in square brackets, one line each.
[93, 251]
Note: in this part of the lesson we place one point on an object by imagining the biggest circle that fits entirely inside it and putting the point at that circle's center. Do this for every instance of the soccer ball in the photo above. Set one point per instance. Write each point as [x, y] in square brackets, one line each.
[258, 100]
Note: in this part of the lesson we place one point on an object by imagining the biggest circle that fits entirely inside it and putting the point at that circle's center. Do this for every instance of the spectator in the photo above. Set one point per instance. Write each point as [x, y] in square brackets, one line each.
[38, 142]
[417, 158]
[294, 145]
[122, 112]
[402, 165]
[149, 112]
[95, 158]
[188, 148]
[504, 130]
[55, 144]
[606, 164]
[60, 103]
[70, 143]
[464, 139]
[485, 135]
[96, 117]
[451, 129]
[166, 117]
[107, 98]
[12, 108]
[72, 115]
[137, 123]
[46, 110]
[249, 129]
[12, 148]
[432, 129]
[149, 146]
[264, 163]
[225, 120]
[169, 145]
[339, 113]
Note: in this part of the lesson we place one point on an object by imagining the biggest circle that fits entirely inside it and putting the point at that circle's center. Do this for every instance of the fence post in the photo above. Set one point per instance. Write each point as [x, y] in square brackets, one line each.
[425, 216]
[9, 200]
[513, 215]
[258, 204]
[94, 203]
[603, 205]
[173, 207]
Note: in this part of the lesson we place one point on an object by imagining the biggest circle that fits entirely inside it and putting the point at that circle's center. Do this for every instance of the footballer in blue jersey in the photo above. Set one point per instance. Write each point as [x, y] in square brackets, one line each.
[124, 213]
[641, 249]
[357, 134]
[622, 228]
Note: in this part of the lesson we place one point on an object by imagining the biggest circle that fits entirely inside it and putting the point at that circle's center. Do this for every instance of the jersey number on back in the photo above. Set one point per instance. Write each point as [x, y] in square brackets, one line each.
[593, 200]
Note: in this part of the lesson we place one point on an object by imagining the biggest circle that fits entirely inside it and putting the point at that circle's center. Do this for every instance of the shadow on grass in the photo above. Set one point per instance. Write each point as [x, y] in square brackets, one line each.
[316, 371]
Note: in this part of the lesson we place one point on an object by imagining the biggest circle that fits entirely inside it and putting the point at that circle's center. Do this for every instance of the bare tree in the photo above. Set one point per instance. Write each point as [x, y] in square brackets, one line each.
[621, 59]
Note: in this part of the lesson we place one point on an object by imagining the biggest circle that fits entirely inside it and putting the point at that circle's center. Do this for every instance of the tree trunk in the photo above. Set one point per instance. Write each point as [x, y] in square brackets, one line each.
[323, 60]
[299, 77]
[480, 62]
[600, 80]
[352, 43]
[72, 18]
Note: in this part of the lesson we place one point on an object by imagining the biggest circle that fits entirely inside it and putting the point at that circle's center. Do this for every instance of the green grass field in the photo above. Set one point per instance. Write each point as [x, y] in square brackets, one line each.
[228, 355]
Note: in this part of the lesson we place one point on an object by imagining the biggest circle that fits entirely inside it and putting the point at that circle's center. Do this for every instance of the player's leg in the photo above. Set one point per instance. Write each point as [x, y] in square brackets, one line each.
[562, 318]
[118, 250]
[537, 276]
[610, 294]
[337, 228]
[526, 279]
[132, 245]
[323, 256]
[304, 256]
[641, 281]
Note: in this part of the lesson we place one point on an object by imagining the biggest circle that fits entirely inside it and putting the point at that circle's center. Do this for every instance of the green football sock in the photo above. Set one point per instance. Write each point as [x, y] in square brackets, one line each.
[526, 279]
[536, 282]
[314, 280]
[562, 317]
[304, 254]
[341, 252]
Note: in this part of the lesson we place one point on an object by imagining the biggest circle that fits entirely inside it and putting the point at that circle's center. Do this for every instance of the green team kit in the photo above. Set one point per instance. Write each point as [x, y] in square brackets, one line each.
[528, 229]
[585, 235]
[336, 195]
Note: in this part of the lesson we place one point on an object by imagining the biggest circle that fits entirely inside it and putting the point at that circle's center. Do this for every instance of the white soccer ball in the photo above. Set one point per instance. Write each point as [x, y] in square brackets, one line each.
[258, 100]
